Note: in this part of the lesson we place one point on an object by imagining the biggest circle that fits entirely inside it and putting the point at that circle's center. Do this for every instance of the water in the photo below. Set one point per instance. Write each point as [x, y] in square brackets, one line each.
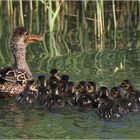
[18, 122]
[81, 61]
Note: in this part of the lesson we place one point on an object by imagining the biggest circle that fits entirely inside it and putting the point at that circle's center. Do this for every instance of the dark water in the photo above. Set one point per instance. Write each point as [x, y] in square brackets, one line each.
[119, 60]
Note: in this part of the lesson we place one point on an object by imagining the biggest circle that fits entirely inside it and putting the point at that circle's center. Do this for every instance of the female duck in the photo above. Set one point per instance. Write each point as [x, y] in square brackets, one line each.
[13, 79]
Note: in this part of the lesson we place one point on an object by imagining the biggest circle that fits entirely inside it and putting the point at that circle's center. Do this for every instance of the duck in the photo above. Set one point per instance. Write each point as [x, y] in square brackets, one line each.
[120, 104]
[93, 91]
[52, 95]
[53, 80]
[64, 78]
[83, 99]
[131, 94]
[29, 95]
[56, 98]
[111, 103]
[105, 104]
[43, 89]
[66, 90]
[54, 77]
[13, 79]
[42, 84]
[62, 85]
[91, 87]
[69, 94]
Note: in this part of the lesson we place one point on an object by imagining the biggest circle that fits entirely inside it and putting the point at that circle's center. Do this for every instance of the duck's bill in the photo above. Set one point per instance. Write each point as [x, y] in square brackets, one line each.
[34, 38]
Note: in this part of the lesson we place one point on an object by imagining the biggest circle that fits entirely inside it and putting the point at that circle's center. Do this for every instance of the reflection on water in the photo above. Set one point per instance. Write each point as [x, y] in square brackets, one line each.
[99, 67]
[16, 122]
[73, 52]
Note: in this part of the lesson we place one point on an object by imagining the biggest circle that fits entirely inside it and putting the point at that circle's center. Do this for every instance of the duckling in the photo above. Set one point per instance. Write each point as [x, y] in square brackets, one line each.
[69, 94]
[52, 99]
[80, 89]
[91, 87]
[92, 90]
[104, 103]
[43, 89]
[120, 105]
[29, 96]
[59, 91]
[132, 95]
[53, 81]
[42, 84]
[82, 98]
[41, 80]
[61, 87]
[127, 87]
[56, 88]
[64, 78]
[54, 76]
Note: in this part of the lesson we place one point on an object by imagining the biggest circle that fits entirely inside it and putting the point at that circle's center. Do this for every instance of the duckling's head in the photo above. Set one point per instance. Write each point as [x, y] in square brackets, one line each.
[20, 38]
[53, 71]
[64, 78]
[81, 87]
[115, 92]
[91, 87]
[127, 85]
[41, 80]
[70, 87]
[32, 86]
[54, 74]
[103, 92]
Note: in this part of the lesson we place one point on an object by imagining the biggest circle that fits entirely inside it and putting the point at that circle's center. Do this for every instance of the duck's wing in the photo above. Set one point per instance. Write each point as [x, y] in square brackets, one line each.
[7, 74]
[14, 75]
[9, 89]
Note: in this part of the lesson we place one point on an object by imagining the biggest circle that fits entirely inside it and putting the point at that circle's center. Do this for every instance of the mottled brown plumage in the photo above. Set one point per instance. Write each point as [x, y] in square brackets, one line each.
[13, 79]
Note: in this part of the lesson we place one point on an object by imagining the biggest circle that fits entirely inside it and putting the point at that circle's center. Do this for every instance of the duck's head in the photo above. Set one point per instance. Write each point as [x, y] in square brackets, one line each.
[70, 87]
[41, 80]
[64, 78]
[54, 74]
[127, 85]
[82, 85]
[115, 92]
[53, 71]
[103, 92]
[20, 38]
[91, 87]
[32, 86]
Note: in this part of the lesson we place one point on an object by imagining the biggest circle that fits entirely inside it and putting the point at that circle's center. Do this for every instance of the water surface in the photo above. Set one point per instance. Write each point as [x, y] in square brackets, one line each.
[74, 54]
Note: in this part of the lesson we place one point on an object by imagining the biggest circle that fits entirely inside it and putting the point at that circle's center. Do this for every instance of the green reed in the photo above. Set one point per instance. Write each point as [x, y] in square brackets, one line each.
[31, 5]
[52, 15]
[0, 4]
[21, 13]
[100, 24]
[114, 15]
[63, 16]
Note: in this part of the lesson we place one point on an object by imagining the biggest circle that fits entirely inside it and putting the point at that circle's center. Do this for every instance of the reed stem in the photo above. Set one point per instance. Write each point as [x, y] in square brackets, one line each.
[114, 14]
[21, 13]
[31, 5]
